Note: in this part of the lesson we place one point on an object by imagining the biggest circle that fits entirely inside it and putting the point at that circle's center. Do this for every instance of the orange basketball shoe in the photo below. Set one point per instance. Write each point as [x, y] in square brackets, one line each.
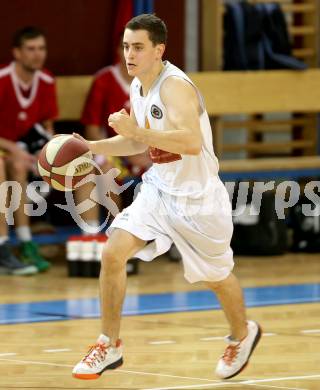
[237, 353]
[101, 357]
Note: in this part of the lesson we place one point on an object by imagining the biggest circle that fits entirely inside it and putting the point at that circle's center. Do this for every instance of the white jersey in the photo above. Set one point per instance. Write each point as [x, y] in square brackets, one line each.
[192, 175]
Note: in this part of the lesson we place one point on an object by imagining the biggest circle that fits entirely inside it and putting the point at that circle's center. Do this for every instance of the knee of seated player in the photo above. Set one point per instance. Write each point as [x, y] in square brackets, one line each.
[2, 168]
[17, 168]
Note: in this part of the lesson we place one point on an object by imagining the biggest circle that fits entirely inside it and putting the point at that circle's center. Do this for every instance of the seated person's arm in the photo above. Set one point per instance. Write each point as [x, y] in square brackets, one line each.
[48, 125]
[93, 132]
[7, 145]
[10, 148]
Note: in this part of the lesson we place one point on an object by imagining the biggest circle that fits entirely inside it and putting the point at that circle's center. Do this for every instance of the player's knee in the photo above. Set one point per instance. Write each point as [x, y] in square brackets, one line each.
[215, 286]
[111, 260]
[17, 168]
[218, 286]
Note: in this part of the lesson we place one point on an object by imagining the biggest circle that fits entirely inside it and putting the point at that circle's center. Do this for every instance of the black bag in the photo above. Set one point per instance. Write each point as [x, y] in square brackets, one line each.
[35, 139]
[306, 228]
[256, 37]
[259, 235]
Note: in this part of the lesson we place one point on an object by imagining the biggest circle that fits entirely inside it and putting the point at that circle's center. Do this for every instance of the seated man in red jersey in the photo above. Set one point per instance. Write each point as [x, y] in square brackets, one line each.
[109, 93]
[27, 102]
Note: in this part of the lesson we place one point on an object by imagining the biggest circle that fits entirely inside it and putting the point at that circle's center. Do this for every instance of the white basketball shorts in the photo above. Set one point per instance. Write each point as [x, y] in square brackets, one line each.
[201, 229]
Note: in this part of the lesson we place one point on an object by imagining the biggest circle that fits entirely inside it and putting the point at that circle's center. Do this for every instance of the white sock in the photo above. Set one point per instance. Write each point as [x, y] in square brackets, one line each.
[23, 233]
[3, 239]
[94, 225]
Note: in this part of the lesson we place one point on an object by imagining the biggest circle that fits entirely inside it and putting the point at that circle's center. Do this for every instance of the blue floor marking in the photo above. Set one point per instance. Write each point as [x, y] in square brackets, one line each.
[271, 174]
[61, 235]
[155, 303]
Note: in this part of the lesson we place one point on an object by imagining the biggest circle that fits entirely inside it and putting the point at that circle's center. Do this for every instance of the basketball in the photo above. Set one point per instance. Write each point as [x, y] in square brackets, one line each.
[64, 161]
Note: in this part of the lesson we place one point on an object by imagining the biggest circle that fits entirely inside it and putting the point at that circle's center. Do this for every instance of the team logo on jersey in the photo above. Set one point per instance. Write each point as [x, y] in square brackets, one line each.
[156, 112]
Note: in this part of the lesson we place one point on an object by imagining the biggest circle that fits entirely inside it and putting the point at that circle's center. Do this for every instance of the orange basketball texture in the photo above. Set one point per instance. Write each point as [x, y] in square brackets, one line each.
[64, 161]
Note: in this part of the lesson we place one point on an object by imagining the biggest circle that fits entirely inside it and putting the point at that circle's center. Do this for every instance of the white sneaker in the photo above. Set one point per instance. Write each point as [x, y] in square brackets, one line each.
[100, 357]
[237, 353]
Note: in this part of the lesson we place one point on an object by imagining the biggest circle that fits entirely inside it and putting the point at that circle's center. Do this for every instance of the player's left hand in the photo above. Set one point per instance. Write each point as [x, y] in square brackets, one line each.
[122, 123]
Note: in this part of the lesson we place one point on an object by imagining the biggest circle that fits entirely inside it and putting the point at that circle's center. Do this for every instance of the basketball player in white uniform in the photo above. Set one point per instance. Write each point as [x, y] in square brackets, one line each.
[182, 199]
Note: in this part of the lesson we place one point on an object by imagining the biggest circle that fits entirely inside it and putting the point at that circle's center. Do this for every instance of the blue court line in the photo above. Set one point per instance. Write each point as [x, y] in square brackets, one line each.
[61, 235]
[272, 174]
[155, 303]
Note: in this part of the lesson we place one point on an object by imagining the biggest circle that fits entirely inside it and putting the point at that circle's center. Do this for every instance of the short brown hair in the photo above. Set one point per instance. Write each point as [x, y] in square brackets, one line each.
[26, 33]
[156, 28]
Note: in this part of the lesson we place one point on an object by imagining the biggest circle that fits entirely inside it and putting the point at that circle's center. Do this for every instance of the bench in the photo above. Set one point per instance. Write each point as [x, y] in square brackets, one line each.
[252, 93]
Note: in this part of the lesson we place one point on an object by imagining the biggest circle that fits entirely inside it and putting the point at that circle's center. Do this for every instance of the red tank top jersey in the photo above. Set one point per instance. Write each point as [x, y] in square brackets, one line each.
[109, 93]
[21, 105]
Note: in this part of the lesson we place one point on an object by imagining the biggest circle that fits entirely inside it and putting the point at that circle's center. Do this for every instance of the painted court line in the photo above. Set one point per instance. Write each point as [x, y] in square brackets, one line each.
[118, 370]
[33, 362]
[222, 383]
[194, 386]
[162, 342]
[211, 338]
[57, 350]
[286, 378]
[276, 387]
[167, 375]
[213, 383]
[307, 331]
[62, 310]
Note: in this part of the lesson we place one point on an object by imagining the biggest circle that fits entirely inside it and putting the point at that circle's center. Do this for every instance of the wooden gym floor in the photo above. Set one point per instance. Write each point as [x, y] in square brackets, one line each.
[177, 350]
